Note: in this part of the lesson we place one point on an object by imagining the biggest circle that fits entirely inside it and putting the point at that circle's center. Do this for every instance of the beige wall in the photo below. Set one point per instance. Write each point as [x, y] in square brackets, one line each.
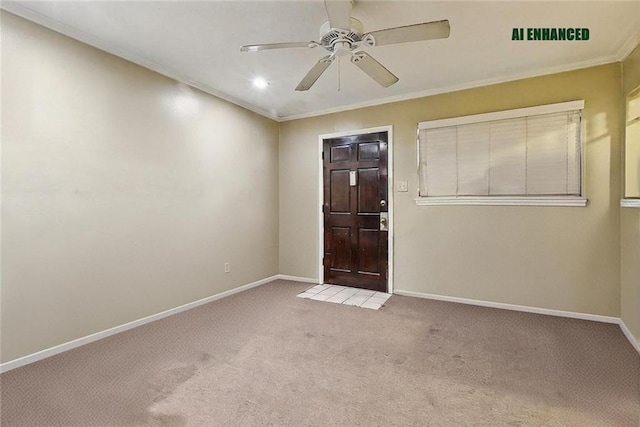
[630, 226]
[553, 257]
[123, 192]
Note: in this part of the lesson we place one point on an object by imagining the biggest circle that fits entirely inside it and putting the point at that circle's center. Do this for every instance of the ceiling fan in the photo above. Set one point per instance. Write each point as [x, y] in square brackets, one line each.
[343, 35]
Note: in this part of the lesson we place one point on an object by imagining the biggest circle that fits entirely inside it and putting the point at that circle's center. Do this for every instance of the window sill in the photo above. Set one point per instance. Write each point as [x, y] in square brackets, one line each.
[501, 201]
[630, 203]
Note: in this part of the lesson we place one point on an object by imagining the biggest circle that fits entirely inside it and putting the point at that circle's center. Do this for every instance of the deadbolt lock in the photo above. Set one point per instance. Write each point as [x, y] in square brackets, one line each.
[384, 221]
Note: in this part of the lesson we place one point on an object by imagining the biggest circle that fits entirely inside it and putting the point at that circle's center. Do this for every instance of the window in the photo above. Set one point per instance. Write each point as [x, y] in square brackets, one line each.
[529, 156]
[632, 150]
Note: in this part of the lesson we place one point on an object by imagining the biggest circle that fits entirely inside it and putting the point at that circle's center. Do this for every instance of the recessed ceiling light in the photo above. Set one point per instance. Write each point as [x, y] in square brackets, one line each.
[260, 83]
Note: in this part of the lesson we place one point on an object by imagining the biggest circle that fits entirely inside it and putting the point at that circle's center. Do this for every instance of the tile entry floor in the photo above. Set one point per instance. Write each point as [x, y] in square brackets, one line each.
[345, 295]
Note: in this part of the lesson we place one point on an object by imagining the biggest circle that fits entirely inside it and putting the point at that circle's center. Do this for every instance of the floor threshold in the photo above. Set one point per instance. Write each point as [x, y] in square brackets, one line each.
[364, 298]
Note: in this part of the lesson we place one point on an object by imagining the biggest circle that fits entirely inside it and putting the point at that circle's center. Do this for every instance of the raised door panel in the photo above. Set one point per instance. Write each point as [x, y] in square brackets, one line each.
[369, 251]
[340, 154]
[369, 191]
[340, 191]
[341, 249]
[369, 151]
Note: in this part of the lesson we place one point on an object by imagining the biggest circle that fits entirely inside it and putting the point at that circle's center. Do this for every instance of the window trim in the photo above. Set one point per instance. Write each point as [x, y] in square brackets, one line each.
[503, 115]
[502, 201]
[560, 200]
[628, 201]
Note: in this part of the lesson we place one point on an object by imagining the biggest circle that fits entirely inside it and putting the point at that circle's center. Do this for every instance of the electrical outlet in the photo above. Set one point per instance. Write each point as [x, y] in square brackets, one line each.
[403, 186]
[227, 267]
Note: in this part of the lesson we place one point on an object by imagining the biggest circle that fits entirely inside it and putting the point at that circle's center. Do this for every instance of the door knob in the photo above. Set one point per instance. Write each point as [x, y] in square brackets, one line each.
[383, 203]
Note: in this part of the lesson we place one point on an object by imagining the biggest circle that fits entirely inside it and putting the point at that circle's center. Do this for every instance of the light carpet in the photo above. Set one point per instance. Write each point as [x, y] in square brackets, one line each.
[266, 358]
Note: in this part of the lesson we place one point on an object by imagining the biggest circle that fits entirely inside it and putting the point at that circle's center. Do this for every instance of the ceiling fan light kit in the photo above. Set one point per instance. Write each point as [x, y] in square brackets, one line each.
[344, 35]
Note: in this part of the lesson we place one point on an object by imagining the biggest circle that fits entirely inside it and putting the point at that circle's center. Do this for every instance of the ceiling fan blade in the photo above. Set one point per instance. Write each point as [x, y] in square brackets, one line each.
[339, 12]
[315, 73]
[409, 33]
[259, 47]
[373, 68]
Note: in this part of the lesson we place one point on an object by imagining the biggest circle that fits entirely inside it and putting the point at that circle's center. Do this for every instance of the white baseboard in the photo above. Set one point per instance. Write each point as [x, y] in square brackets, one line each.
[514, 307]
[527, 309]
[297, 279]
[43, 354]
[635, 342]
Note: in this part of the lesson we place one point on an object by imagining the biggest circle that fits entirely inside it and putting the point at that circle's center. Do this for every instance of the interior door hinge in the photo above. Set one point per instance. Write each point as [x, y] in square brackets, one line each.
[323, 155]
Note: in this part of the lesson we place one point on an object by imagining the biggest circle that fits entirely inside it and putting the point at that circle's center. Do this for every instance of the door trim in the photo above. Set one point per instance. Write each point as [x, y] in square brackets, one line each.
[320, 201]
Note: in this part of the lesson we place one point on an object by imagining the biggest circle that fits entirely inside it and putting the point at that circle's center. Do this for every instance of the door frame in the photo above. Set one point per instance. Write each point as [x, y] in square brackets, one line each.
[320, 222]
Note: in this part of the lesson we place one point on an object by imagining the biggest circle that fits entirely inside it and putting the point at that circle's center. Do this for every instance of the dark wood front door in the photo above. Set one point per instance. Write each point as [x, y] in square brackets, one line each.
[355, 209]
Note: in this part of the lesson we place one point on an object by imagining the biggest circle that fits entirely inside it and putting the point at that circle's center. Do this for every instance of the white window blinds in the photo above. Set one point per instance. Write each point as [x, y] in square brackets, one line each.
[530, 155]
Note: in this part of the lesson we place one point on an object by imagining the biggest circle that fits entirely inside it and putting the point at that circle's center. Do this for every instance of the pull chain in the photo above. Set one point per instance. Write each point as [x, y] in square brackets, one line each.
[338, 74]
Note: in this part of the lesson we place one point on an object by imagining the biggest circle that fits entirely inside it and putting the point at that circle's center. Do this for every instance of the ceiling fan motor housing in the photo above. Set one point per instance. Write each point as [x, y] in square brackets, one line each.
[341, 40]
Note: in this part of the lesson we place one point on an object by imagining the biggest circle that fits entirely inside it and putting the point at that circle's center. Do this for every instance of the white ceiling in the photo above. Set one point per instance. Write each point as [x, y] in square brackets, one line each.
[199, 43]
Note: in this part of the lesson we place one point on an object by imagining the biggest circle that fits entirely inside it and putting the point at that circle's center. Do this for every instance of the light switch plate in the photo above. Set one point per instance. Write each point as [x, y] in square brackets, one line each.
[403, 186]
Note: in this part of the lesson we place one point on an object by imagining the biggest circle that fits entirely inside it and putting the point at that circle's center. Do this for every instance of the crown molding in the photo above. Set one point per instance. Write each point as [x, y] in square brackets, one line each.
[455, 88]
[26, 13]
[52, 24]
[628, 47]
